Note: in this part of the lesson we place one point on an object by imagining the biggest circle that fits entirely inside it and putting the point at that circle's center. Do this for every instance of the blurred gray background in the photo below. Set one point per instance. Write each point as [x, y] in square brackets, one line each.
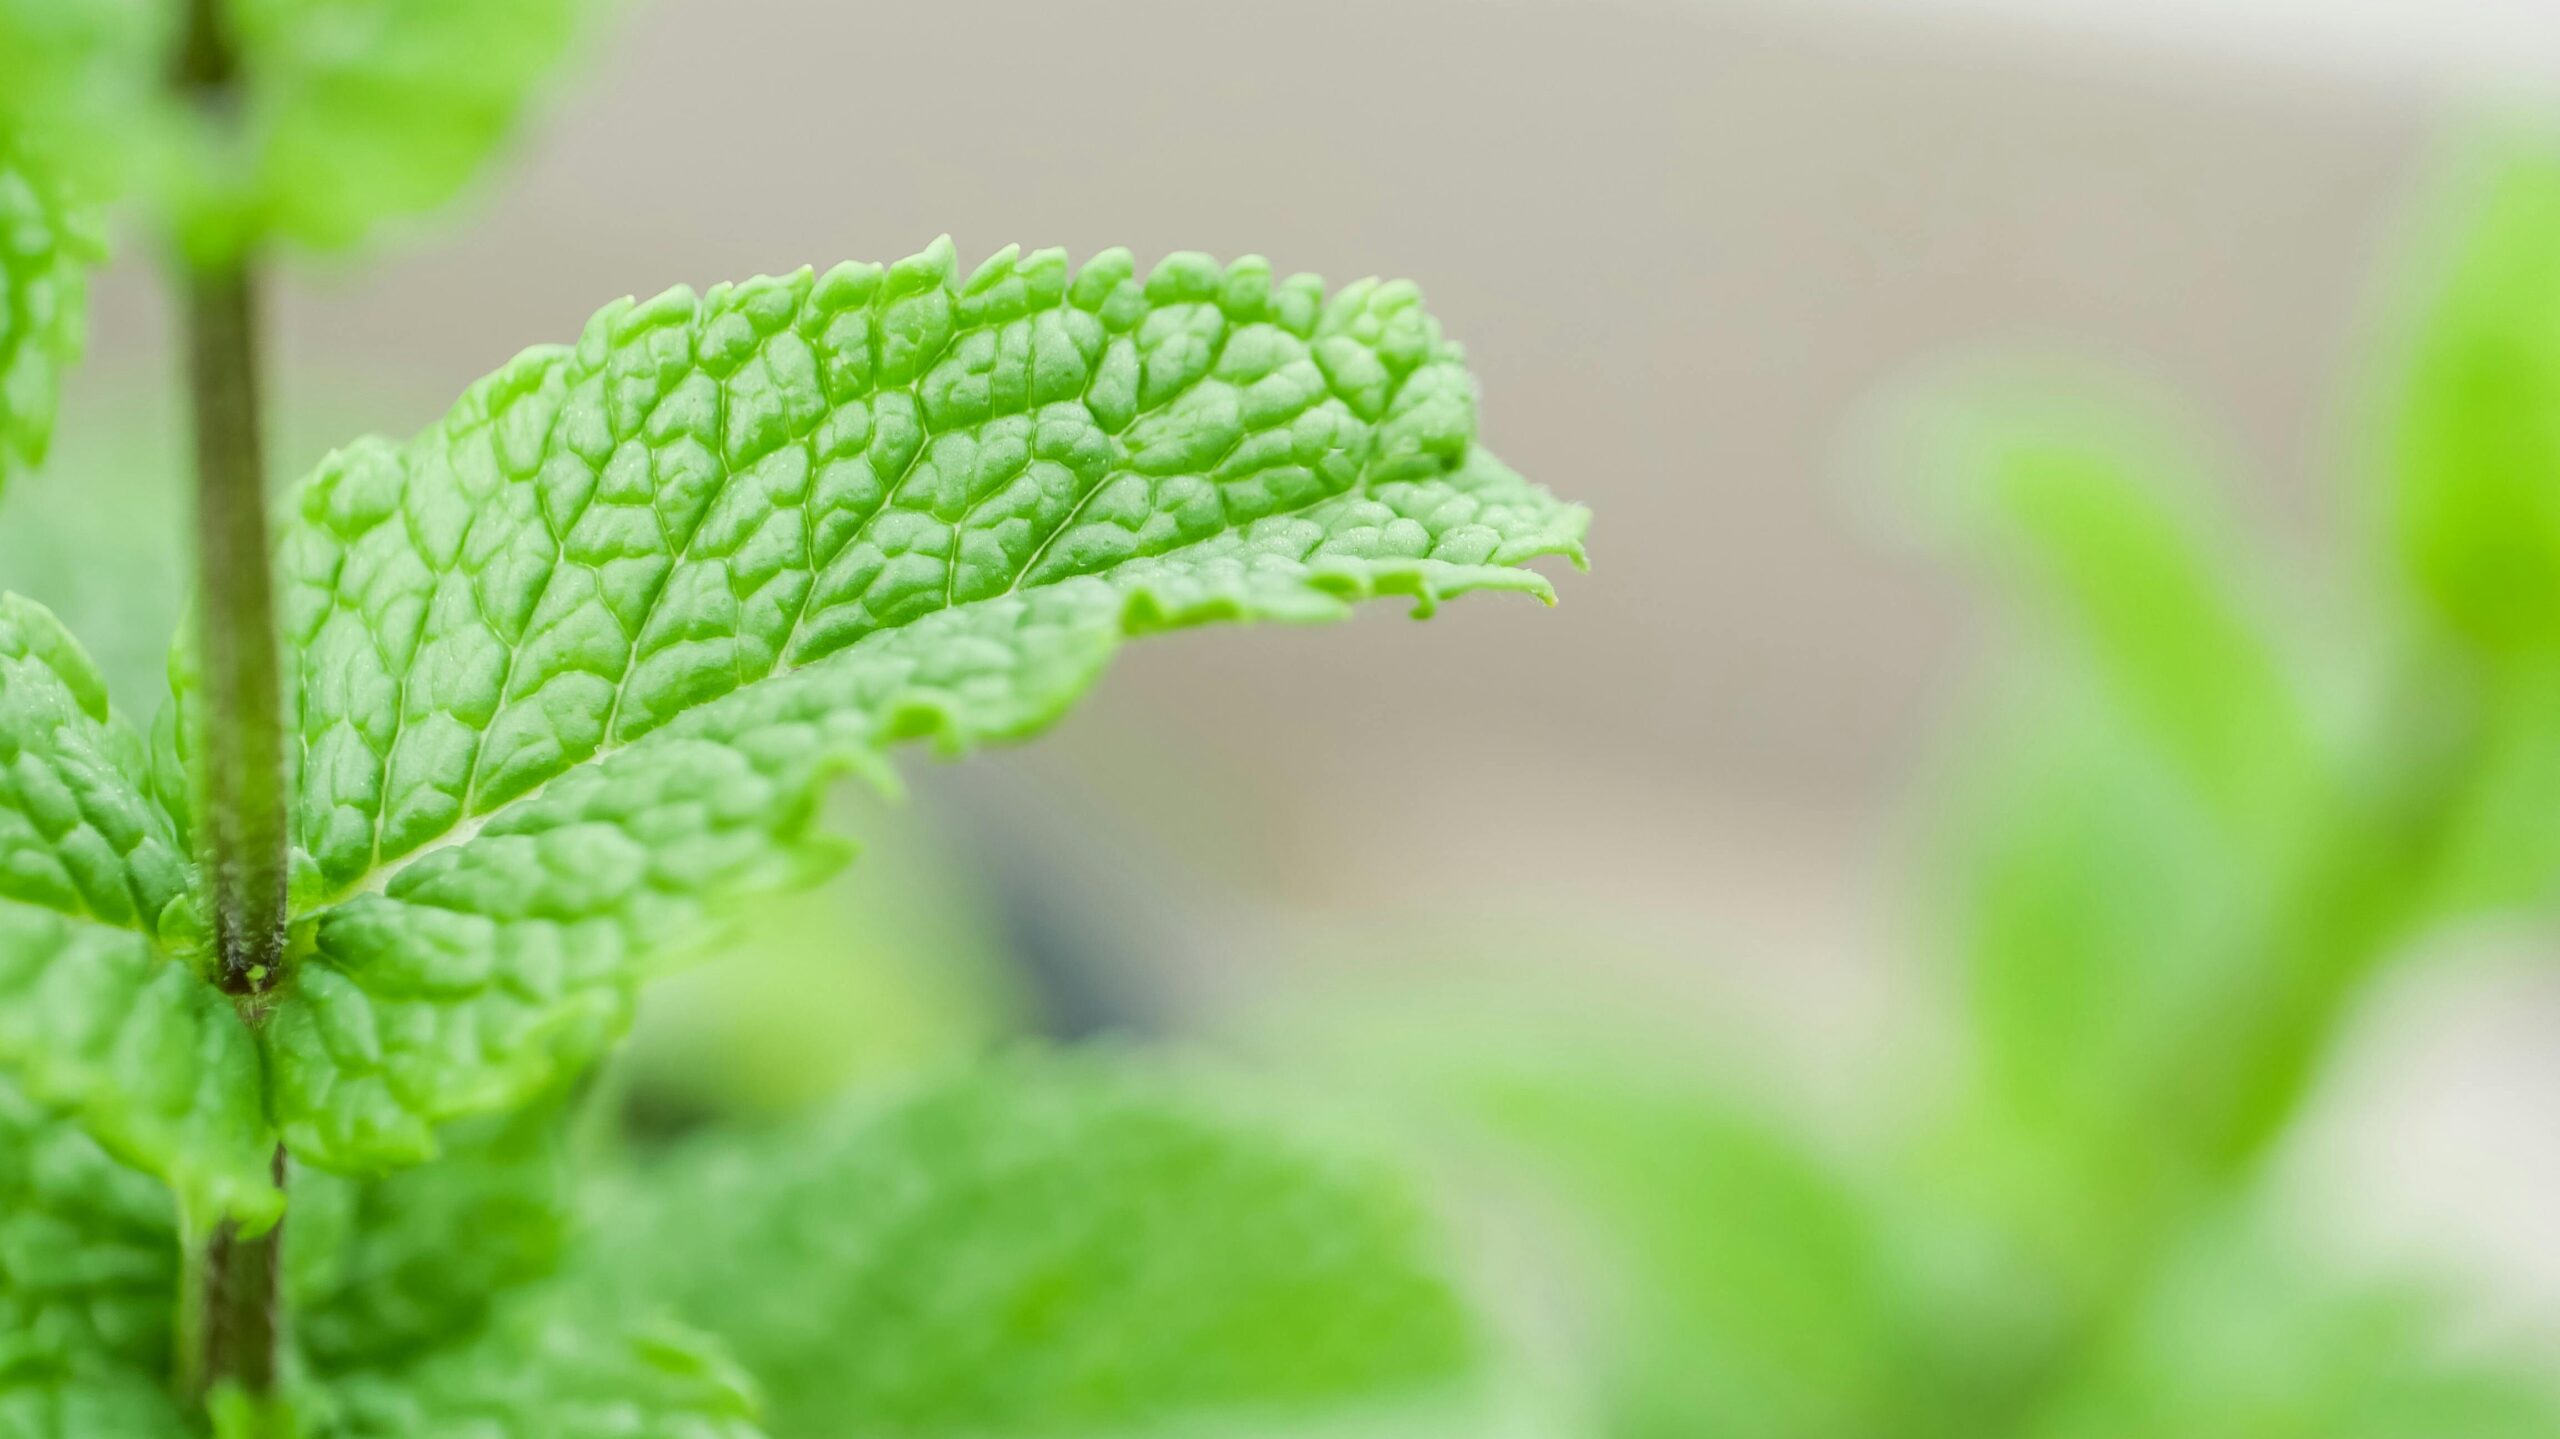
[1692, 248]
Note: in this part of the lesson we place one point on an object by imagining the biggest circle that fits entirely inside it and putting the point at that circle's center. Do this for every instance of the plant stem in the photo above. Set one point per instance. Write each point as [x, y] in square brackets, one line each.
[242, 807]
[243, 734]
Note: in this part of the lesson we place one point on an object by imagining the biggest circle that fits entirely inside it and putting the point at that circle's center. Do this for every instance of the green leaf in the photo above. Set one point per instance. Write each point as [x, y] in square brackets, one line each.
[2106, 532]
[550, 1368]
[572, 666]
[2476, 505]
[95, 1019]
[363, 111]
[349, 113]
[110, 1405]
[1736, 1279]
[381, 1269]
[2242, 1340]
[88, 1249]
[1043, 1246]
[47, 243]
[84, 81]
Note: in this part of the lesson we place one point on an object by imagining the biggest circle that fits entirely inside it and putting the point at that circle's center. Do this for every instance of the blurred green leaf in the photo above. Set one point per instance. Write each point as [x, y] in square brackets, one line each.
[550, 1364]
[2092, 914]
[2241, 1340]
[893, 965]
[88, 1249]
[1055, 1245]
[1749, 1287]
[2477, 480]
[366, 111]
[47, 243]
[2109, 537]
[351, 113]
[383, 1268]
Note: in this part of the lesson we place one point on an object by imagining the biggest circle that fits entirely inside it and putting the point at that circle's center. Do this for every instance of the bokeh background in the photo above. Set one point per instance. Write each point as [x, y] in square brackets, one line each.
[1704, 253]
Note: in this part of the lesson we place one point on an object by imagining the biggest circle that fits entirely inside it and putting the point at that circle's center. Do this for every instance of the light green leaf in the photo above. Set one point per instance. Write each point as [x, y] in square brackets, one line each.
[2242, 1340]
[84, 82]
[385, 1268]
[95, 1019]
[103, 1405]
[2107, 532]
[88, 1249]
[77, 835]
[348, 113]
[573, 664]
[2476, 505]
[1736, 1279]
[549, 1368]
[47, 243]
[1043, 1246]
[364, 111]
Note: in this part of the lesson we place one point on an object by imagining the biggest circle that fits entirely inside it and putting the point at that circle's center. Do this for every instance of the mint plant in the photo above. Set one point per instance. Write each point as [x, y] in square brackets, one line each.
[2195, 827]
[475, 732]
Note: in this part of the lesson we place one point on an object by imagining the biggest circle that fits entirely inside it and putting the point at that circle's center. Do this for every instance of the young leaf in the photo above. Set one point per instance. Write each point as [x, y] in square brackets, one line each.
[549, 1368]
[88, 1249]
[362, 111]
[1743, 1282]
[2241, 1340]
[570, 667]
[2477, 507]
[95, 1018]
[47, 243]
[2104, 528]
[1044, 1245]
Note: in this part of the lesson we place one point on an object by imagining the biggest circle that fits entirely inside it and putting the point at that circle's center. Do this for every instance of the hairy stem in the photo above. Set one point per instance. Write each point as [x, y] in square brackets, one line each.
[242, 813]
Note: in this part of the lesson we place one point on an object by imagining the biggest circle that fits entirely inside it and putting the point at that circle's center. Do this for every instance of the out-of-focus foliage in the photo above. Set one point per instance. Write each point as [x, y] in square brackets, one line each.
[47, 243]
[2476, 515]
[892, 966]
[1042, 1246]
[342, 116]
[2194, 820]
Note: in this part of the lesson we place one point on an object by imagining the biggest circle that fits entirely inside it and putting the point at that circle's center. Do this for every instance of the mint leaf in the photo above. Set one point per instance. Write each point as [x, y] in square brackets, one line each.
[2109, 536]
[1734, 1277]
[47, 243]
[2476, 516]
[77, 834]
[95, 1019]
[1044, 1246]
[729, 546]
[2243, 1339]
[349, 113]
[62, 1405]
[385, 1268]
[88, 1249]
[362, 111]
[554, 1368]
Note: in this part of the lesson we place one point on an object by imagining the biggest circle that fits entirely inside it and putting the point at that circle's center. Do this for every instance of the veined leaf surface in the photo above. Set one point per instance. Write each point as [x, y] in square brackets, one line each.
[569, 668]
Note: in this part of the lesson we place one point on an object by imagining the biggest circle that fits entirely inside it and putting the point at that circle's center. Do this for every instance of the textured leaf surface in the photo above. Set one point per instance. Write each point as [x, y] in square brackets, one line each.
[88, 1249]
[46, 247]
[548, 1370]
[727, 546]
[1045, 1246]
[94, 1019]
